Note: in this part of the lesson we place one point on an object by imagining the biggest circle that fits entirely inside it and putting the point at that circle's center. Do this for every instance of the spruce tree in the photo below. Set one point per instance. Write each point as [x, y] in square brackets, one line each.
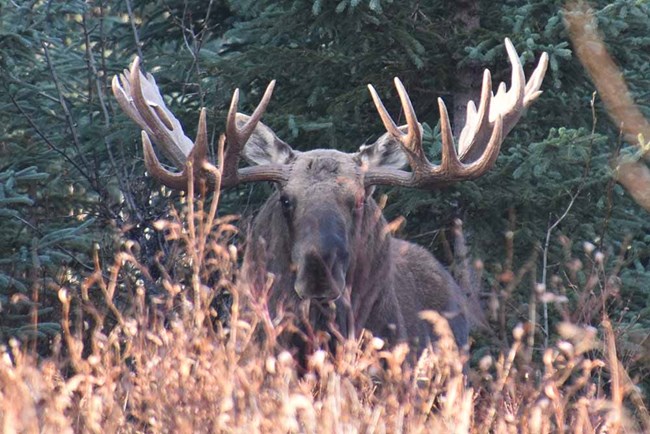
[71, 163]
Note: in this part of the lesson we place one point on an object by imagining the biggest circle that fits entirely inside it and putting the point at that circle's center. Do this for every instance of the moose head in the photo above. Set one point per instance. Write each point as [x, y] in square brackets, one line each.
[321, 233]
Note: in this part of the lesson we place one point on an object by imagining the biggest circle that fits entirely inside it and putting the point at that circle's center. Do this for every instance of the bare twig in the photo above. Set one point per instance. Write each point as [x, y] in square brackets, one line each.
[124, 182]
[547, 241]
[66, 112]
[90, 62]
[64, 250]
[194, 45]
[136, 37]
[585, 174]
[34, 271]
[47, 140]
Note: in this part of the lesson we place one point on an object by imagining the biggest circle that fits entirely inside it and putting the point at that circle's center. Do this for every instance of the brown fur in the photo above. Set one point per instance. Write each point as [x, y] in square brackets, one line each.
[387, 281]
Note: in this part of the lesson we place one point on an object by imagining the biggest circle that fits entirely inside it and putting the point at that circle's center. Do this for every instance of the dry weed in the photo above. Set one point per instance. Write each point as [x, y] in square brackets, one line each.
[171, 366]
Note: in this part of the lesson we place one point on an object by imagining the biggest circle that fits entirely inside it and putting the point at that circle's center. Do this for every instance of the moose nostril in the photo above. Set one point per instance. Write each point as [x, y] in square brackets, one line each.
[314, 263]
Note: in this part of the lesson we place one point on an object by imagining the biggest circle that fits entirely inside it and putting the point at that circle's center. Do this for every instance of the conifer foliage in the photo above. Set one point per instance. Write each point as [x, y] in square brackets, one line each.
[72, 177]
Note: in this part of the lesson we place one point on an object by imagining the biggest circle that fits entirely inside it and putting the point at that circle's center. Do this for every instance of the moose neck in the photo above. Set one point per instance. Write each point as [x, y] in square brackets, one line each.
[371, 268]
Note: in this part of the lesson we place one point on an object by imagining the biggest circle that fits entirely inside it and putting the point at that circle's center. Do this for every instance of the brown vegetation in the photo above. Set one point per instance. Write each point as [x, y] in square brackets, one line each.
[169, 366]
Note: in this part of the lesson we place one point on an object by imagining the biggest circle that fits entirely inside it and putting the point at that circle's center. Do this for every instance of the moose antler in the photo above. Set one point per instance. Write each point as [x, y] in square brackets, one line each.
[140, 98]
[480, 138]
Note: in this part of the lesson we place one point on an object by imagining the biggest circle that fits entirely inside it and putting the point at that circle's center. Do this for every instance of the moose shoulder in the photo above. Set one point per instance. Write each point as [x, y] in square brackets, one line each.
[321, 233]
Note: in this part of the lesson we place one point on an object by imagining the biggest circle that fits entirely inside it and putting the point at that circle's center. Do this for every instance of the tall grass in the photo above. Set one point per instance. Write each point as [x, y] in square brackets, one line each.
[174, 363]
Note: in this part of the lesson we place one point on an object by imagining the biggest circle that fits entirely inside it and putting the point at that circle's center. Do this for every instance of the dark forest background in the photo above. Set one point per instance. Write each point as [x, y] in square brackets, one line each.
[73, 182]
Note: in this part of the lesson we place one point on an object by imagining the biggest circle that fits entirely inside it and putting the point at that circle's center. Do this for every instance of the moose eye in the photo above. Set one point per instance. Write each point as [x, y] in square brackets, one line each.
[286, 203]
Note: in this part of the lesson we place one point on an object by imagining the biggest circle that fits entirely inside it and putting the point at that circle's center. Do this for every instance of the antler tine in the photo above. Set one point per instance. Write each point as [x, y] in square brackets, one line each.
[535, 81]
[231, 123]
[389, 124]
[173, 180]
[178, 180]
[490, 154]
[411, 140]
[512, 104]
[480, 138]
[449, 162]
[145, 100]
[140, 98]
[477, 130]
[237, 137]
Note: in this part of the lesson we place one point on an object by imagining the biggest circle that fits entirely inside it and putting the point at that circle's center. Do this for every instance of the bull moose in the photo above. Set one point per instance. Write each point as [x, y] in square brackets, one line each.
[321, 233]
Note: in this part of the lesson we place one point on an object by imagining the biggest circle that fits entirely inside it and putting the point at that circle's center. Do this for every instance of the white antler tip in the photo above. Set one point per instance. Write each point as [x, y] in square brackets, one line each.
[401, 90]
[543, 62]
[269, 90]
[116, 85]
[471, 110]
[136, 63]
[373, 93]
[442, 106]
[234, 102]
[487, 75]
[510, 48]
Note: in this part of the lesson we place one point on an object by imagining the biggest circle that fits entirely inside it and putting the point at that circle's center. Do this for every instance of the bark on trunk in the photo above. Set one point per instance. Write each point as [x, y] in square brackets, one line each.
[468, 82]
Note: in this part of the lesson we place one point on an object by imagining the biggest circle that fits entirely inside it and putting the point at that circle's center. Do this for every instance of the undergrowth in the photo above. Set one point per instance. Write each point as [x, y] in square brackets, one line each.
[175, 362]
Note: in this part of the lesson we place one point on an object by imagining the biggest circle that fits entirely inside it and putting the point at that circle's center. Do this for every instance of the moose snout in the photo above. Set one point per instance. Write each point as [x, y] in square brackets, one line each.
[321, 255]
[321, 273]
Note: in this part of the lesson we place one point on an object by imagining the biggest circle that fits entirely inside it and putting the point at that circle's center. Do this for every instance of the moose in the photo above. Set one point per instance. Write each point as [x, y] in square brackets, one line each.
[321, 234]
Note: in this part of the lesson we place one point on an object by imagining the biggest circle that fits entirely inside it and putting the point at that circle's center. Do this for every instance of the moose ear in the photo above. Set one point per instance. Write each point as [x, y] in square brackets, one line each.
[264, 147]
[385, 152]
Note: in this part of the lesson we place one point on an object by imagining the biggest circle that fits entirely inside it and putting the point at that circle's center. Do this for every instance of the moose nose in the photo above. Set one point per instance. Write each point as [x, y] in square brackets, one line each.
[321, 255]
[321, 275]
[333, 249]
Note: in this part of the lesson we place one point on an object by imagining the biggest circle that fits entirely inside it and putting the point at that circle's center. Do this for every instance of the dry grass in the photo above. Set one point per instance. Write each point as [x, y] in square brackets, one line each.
[169, 366]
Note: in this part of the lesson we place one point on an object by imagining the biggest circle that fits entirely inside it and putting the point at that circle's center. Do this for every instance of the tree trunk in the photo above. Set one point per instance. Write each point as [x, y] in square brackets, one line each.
[468, 82]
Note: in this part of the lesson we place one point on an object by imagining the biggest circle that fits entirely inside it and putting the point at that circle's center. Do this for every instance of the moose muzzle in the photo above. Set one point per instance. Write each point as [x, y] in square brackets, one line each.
[322, 259]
